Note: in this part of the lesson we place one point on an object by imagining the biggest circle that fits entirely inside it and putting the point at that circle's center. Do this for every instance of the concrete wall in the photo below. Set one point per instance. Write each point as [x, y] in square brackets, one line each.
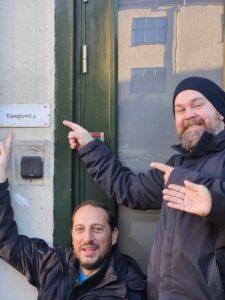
[27, 76]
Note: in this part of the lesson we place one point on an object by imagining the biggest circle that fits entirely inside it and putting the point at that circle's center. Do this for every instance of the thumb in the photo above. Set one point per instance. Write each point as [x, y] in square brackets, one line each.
[190, 185]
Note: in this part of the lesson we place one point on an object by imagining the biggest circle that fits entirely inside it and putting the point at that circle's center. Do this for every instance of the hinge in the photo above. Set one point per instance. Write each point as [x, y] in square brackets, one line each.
[84, 58]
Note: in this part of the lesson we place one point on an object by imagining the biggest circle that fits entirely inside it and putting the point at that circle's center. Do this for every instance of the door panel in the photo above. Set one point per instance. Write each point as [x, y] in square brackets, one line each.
[94, 90]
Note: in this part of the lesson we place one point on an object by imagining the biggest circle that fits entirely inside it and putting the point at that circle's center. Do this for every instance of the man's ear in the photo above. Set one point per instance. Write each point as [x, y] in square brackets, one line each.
[115, 234]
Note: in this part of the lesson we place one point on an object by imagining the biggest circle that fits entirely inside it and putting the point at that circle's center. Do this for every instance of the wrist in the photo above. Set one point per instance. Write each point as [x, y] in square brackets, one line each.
[3, 178]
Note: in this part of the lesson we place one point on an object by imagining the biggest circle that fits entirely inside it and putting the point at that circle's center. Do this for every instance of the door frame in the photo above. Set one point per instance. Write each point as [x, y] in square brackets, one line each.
[64, 61]
[66, 163]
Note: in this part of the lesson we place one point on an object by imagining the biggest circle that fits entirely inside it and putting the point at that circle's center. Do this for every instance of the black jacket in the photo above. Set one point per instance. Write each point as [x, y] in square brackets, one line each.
[188, 255]
[53, 270]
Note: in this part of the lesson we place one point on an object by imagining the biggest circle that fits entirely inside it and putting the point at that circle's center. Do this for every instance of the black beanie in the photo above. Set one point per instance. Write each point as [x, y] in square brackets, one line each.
[206, 87]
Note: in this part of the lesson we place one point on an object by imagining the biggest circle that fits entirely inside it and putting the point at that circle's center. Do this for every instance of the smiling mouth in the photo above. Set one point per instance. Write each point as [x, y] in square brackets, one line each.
[89, 250]
[194, 126]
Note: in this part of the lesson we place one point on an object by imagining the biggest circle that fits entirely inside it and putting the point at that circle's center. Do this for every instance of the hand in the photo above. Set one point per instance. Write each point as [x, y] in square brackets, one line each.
[192, 198]
[4, 156]
[79, 136]
[164, 168]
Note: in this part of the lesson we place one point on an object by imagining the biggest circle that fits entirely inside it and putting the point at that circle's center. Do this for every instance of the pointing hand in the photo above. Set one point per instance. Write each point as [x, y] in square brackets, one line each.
[164, 168]
[79, 136]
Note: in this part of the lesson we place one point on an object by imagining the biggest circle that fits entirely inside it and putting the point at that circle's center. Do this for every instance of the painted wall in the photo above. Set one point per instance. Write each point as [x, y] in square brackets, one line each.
[27, 76]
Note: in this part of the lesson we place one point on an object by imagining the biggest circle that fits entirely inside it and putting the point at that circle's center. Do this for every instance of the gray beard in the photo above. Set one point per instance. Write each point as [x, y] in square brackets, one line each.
[190, 139]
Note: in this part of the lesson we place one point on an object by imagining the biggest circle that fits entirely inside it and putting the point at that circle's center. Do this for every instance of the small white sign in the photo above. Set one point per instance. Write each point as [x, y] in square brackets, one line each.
[24, 115]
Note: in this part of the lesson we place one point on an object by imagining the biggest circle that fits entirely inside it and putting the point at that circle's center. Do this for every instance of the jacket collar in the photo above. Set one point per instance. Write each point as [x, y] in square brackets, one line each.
[208, 143]
[102, 279]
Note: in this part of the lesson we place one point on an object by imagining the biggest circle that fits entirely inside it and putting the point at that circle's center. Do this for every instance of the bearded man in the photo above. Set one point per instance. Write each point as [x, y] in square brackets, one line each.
[187, 259]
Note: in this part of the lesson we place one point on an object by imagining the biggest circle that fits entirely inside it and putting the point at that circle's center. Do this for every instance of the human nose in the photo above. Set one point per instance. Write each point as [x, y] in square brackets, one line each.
[88, 235]
[189, 113]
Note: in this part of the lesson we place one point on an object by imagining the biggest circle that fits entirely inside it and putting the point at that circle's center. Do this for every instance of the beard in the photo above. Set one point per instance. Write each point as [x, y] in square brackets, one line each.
[93, 265]
[98, 261]
[189, 138]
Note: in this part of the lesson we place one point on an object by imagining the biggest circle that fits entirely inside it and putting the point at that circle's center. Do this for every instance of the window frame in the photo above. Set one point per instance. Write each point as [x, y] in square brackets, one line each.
[150, 33]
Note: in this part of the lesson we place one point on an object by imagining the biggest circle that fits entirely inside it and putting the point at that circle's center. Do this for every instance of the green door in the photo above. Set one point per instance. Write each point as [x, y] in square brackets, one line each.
[85, 93]
[94, 83]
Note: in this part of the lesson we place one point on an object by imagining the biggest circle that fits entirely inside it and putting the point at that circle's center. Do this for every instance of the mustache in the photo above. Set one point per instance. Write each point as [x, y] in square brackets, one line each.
[191, 122]
[89, 244]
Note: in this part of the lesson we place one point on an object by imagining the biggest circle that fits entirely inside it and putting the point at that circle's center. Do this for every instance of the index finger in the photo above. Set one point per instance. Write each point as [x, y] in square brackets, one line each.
[162, 167]
[71, 125]
[177, 188]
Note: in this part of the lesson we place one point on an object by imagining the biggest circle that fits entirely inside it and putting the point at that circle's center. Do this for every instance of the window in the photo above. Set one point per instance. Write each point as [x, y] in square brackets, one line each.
[146, 31]
[145, 80]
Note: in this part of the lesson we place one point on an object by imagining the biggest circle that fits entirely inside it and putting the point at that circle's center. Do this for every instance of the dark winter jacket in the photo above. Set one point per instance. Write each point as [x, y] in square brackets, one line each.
[53, 270]
[188, 255]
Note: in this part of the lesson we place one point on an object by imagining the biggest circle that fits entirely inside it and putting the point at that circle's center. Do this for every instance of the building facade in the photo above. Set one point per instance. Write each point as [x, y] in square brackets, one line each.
[113, 74]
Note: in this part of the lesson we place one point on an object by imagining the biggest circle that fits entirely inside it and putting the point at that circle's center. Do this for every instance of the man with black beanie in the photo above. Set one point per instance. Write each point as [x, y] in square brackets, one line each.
[188, 255]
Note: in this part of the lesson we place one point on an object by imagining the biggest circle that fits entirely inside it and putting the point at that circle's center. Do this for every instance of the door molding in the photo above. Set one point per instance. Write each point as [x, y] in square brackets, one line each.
[64, 53]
